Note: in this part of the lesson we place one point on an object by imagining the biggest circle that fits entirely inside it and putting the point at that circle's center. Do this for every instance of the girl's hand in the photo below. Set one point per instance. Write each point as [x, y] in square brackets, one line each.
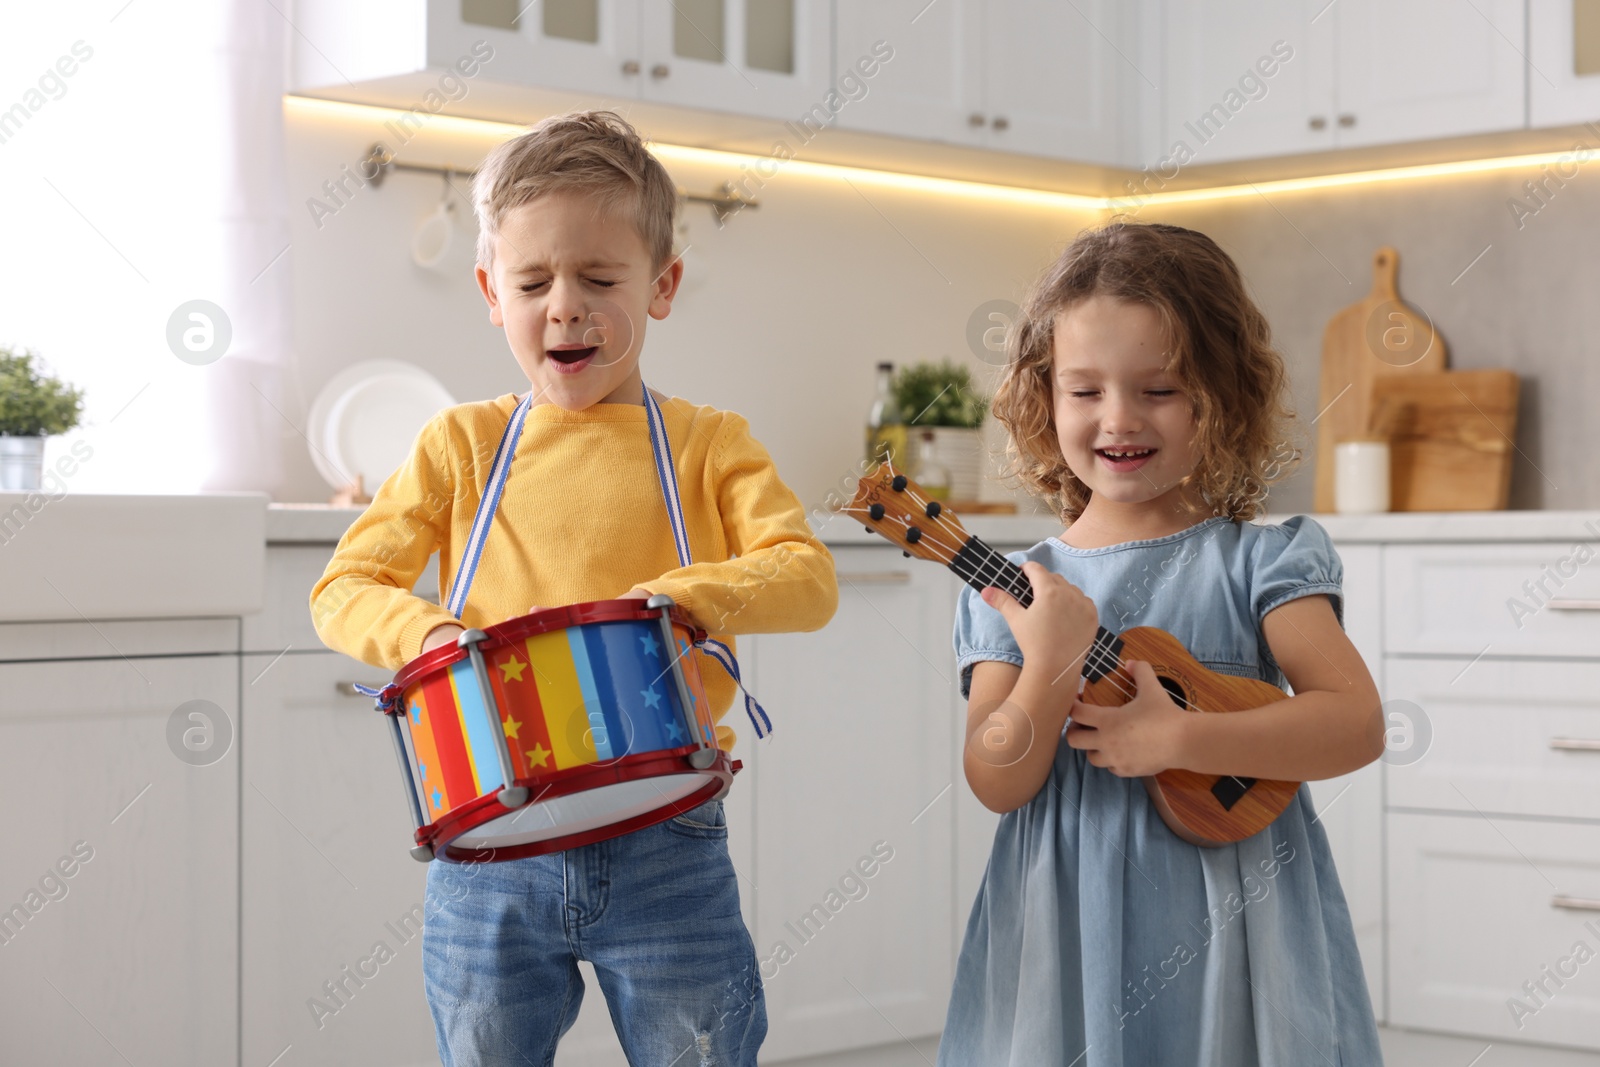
[1142, 737]
[1056, 630]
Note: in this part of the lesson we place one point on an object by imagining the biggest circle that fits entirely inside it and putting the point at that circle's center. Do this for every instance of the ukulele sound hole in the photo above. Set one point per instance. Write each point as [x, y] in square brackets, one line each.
[1229, 789]
[1175, 691]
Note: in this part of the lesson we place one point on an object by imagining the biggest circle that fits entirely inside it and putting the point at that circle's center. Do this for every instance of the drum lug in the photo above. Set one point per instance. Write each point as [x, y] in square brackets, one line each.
[659, 600]
[513, 797]
[422, 853]
[701, 758]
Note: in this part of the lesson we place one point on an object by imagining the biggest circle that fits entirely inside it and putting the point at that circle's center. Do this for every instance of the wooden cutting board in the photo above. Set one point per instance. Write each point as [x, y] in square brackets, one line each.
[1450, 448]
[1376, 337]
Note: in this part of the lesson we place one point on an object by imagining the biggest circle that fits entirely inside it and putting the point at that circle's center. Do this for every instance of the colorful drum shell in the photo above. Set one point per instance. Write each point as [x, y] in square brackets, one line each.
[580, 689]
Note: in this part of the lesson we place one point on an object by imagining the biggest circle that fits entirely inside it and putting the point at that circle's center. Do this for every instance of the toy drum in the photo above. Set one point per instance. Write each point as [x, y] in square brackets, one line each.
[553, 730]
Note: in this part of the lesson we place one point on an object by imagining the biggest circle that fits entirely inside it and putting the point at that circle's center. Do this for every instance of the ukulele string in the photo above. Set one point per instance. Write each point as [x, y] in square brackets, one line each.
[1118, 677]
[1097, 656]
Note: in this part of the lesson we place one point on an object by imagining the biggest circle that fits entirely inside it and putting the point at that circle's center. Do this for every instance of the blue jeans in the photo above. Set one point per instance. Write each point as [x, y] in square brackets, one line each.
[656, 911]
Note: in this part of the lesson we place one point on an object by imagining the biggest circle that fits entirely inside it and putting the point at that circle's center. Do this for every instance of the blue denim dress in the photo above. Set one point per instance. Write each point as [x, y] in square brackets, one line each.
[1101, 939]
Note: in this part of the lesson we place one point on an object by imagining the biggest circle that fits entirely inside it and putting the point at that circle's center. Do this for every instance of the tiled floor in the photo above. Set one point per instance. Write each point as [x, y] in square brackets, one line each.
[1401, 1048]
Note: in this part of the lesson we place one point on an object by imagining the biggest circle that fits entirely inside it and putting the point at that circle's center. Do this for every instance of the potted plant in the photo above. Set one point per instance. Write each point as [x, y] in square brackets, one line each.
[33, 406]
[940, 397]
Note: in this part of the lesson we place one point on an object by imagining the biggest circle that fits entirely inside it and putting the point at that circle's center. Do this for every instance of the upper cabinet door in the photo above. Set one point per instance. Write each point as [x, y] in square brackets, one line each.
[587, 45]
[1249, 78]
[769, 58]
[918, 68]
[1429, 68]
[1058, 79]
[1564, 57]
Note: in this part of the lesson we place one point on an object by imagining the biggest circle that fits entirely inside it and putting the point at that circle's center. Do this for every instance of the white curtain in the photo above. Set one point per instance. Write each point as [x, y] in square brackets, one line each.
[141, 164]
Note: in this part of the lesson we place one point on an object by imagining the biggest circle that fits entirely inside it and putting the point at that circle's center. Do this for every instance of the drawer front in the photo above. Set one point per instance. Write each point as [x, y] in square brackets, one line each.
[118, 638]
[1539, 598]
[1517, 736]
[1474, 916]
[285, 618]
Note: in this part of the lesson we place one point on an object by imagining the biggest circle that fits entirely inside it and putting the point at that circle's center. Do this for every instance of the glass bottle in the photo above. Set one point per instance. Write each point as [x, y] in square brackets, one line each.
[933, 476]
[886, 430]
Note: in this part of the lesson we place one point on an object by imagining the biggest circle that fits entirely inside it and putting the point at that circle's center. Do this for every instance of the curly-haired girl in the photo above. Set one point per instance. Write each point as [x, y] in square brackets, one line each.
[1143, 397]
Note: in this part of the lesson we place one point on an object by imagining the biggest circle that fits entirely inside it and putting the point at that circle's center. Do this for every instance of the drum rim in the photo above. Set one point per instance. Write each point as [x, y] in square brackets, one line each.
[547, 620]
[453, 823]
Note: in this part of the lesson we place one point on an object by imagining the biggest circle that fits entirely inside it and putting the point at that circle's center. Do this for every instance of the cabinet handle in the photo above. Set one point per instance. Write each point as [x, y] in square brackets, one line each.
[660, 70]
[1347, 119]
[1576, 744]
[1570, 604]
[348, 689]
[975, 119]
[630, 67]
[1001, 122]
[877, 577]
[1574, 903]
[1318, 122]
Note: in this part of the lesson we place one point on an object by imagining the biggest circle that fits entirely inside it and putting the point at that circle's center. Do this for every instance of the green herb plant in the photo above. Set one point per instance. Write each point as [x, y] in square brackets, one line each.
[939, 394]
[32, 403]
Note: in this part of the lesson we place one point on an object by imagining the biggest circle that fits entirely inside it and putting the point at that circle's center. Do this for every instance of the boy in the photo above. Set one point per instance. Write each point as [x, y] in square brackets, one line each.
[574, 255]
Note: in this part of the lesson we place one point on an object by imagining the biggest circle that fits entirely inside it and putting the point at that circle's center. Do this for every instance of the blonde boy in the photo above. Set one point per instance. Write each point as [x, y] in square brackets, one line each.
[574, 257]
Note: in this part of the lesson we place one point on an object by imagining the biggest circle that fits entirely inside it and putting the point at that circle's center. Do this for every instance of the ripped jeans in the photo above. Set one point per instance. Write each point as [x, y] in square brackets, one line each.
[656, 911]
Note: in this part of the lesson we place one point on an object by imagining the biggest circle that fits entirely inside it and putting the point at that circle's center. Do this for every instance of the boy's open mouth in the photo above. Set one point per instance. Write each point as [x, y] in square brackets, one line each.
[571, 360]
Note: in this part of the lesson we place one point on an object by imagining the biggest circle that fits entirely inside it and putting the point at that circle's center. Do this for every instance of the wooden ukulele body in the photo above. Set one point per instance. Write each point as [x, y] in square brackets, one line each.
[1203, 809]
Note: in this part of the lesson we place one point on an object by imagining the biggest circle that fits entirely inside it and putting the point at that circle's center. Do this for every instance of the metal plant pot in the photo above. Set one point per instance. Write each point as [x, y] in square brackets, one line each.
[21, 463]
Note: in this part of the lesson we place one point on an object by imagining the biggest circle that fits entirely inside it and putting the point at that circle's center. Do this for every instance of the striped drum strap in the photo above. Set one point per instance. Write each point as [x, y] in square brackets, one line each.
[483, 519]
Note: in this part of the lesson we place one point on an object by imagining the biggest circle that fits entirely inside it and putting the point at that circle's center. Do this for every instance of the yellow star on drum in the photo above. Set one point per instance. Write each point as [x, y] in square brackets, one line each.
[511, 670]
[538, 755]
[511, 727]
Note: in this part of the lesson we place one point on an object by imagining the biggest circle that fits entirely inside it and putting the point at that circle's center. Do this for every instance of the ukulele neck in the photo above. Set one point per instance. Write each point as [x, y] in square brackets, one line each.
[980, 566]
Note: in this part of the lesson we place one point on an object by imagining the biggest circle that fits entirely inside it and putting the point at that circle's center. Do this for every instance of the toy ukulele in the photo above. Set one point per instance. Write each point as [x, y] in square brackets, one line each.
[1203, 809]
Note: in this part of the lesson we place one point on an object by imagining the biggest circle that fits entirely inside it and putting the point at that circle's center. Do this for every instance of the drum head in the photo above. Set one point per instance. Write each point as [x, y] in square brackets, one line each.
[577, 813]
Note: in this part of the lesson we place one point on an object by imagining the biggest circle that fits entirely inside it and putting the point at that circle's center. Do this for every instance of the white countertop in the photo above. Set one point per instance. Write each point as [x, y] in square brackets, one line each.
[320, 523]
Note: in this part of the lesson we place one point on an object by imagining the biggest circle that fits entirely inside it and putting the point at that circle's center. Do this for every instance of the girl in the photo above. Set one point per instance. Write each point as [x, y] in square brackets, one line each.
[1142, 394]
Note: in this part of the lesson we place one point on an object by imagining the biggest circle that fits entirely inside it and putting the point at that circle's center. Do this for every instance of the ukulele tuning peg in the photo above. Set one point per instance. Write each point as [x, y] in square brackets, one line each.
[899, 483]
[876, 511]
[933, 509]
[913, 535]
[906, 554]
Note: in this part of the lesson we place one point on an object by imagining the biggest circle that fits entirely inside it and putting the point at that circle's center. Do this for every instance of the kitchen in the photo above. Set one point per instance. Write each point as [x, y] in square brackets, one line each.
[246, 236]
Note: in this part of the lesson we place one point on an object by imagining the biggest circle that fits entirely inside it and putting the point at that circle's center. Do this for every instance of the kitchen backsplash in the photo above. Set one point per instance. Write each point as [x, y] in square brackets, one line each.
[784, 312]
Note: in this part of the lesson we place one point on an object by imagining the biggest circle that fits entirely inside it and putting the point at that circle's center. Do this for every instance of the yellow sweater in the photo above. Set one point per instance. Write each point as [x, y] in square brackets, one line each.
[581, 518]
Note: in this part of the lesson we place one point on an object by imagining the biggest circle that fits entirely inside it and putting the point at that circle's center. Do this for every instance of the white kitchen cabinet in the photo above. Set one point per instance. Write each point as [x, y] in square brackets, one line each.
[931, 88]
[1483, 912]
[1350, 807]
[1506, 736]
[853, 817]
[132, 956]
[1539, 598]
[1559, 92]
[769, 58]
[1060, 81]
[1250, 78]
[1361, 73]
[1429, 68]
[327, 877]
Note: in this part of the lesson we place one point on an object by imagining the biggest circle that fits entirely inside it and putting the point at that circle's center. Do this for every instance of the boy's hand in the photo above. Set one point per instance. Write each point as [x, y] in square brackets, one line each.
[443, 634]
[1056, 630]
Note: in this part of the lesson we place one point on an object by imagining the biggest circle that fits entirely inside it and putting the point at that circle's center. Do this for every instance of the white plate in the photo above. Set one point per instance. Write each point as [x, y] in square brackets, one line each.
[366, 418]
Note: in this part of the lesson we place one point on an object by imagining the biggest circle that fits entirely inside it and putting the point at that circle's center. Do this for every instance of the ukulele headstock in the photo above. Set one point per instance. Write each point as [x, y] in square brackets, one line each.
[901, 510]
